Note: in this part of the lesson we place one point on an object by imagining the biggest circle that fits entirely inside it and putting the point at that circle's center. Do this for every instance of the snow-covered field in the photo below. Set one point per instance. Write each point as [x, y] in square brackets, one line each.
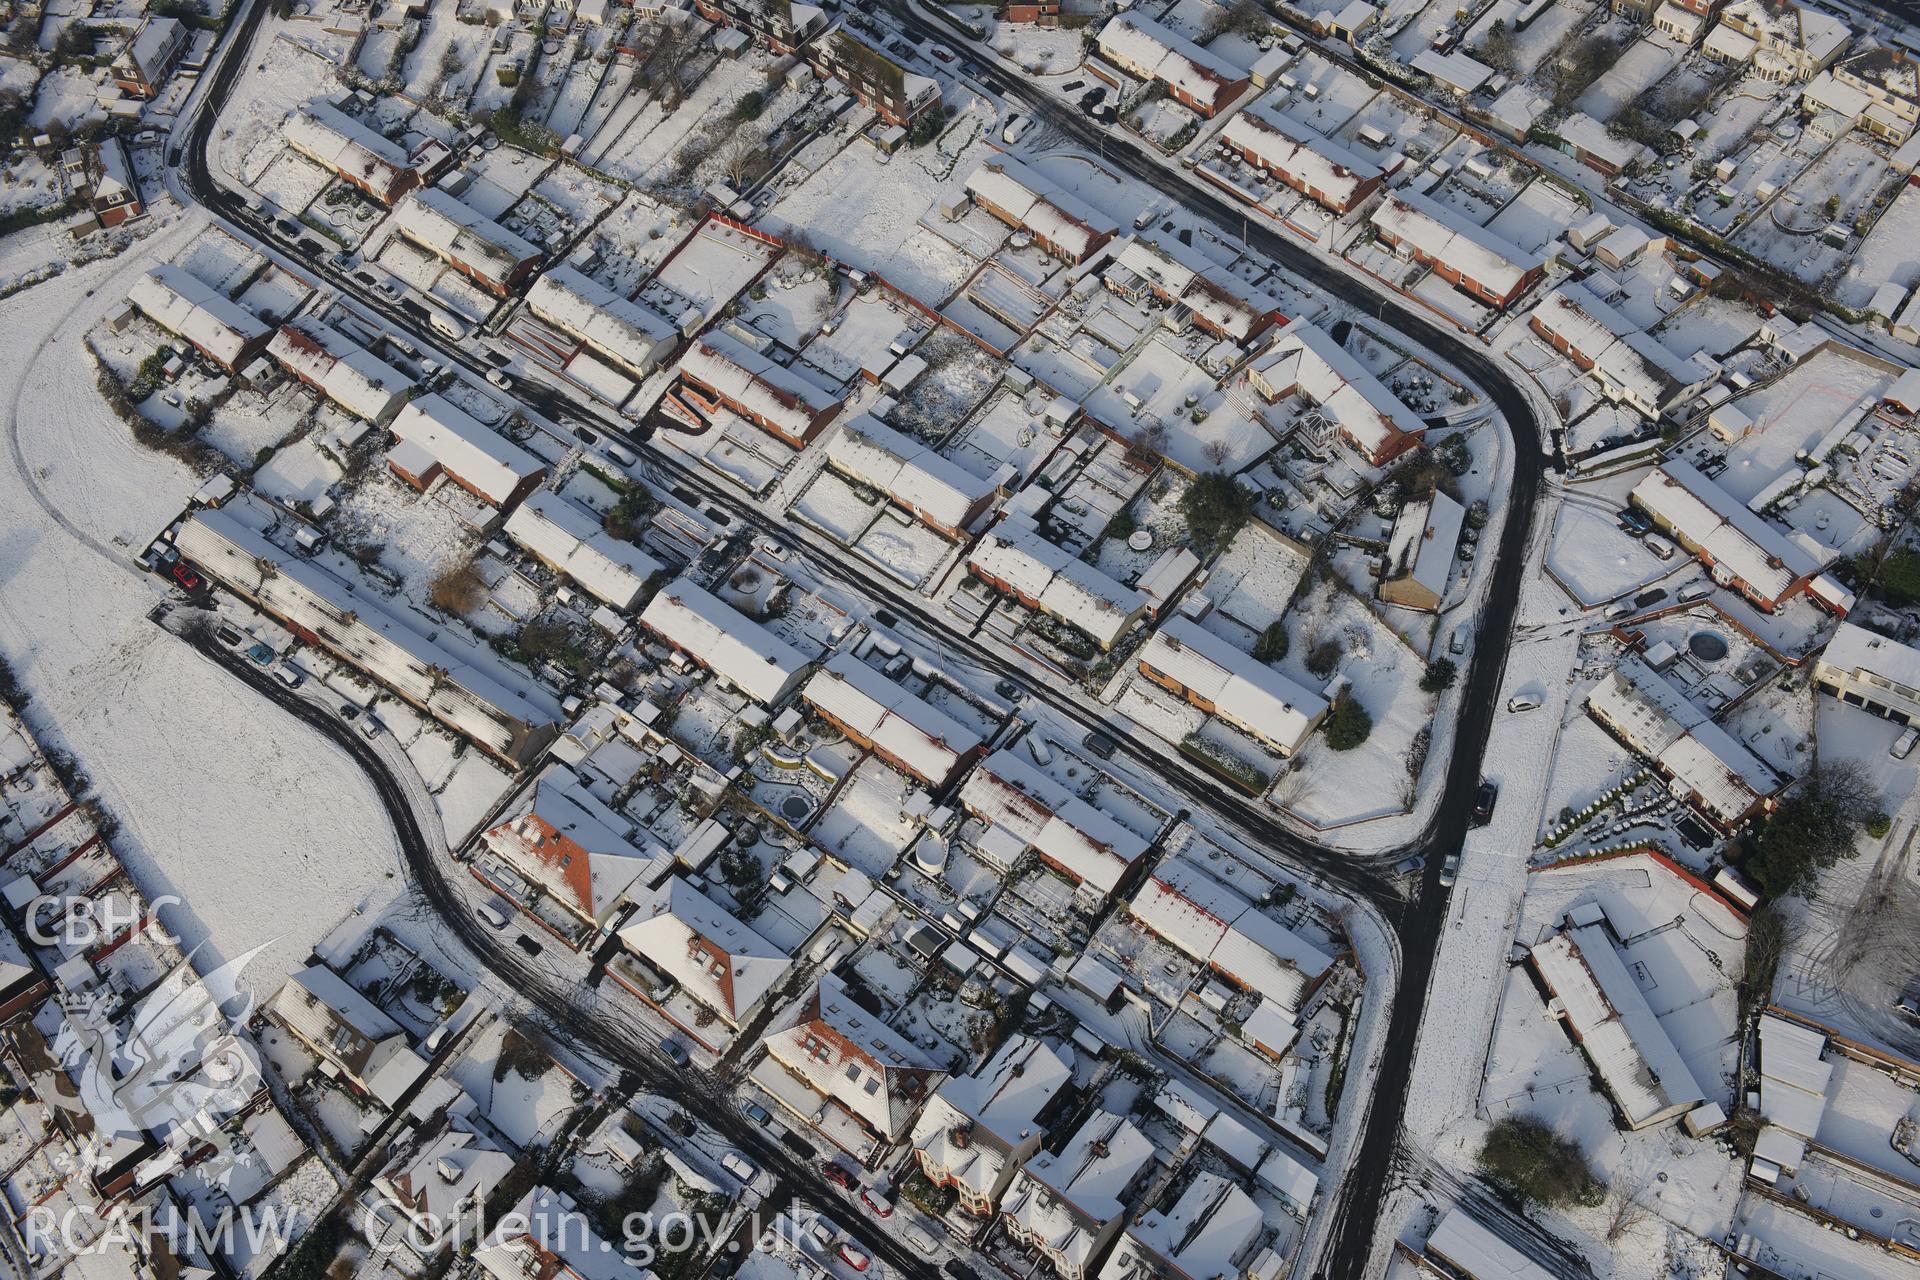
[267, 833]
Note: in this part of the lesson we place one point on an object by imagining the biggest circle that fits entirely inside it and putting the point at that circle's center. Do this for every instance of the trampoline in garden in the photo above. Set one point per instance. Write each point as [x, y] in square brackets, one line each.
[1707, 646]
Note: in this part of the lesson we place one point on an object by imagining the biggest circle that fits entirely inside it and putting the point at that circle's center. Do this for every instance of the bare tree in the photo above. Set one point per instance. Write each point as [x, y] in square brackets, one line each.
[744, 158]
[1627, 1204]
[1217, 452]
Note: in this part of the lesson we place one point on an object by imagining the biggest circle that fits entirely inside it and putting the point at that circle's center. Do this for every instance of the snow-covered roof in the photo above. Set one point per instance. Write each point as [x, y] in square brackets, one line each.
[1305, 356]
[1207, 1234]
[151, 44]
[925, 740]
[1425, 536]
[1794, 1075]
[1707, 516]
[574, 846]
[716, 959]
[720, 637]
[1591, 136]
[1651, 373]
[1222, 299]
[330, 137]
[1856, 649]
[755, 385]
[1657, 719]
[1605, 1010]
[344, 371]
[1064, 1202]
[1211, 922]
[571, 538]
[1144, 46]
[547, 1235]
[481, 457]
[486, 701]
[1041, 205]
[183, 304]
[433, 1179]
[1242, 690]
[626, 332]
[1166, 576]
[1302, 155]
[438, 222]
[1447, 236]
[1070, 589]
[1478, 1253]
[1790, 27]
[907, 470]
[1007, 792]
[1456, 70]
[975, 1122]
[1727, 44]
[842, 1051]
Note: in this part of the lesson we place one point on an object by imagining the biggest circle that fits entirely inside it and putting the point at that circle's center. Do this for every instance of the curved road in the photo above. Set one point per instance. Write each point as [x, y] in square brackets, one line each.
[1356, 1204]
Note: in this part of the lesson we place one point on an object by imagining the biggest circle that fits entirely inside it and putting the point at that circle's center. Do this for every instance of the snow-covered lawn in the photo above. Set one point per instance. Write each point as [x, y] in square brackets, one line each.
[1592, 556]
[266, 831]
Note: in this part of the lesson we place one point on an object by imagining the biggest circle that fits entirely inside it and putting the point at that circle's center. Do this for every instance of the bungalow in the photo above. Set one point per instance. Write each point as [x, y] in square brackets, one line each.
[1741, 549]
[846, 1074]
[438, 1182]
[1149, 51]
[1703, 763]
[942, 495]
[906, 731]
[1601, 1006]
[720, 638]
[1328, 172]
[434, 438]
[1631, 365]
[491, 256]
[979, 1129]
[1226, 682]
[349, 1032]
[1304, 360]
[1014, 558]
[571, 847]
[1059, 221]
[1460, 251]
[218, 328]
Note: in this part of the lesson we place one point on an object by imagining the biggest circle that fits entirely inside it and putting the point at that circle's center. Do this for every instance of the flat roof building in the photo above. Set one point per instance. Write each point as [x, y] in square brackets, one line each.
[1868, 670]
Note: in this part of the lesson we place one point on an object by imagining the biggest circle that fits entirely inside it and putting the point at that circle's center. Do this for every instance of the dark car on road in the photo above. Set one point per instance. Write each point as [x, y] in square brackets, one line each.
[837, 1174]
[758, 1114]
[1483, 802]
[527, 944]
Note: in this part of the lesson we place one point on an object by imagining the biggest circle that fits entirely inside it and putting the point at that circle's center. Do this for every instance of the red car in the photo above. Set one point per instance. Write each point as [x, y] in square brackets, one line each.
[876, 1202]
[838, 1176]
[854, 1256]
[184, 575]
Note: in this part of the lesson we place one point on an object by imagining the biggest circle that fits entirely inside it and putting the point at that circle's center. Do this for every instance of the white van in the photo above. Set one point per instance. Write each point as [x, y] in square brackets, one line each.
[1016, 126]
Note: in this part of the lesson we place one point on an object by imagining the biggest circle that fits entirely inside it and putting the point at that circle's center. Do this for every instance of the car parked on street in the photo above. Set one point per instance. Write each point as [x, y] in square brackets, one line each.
[1483, 801]
[837, 1174]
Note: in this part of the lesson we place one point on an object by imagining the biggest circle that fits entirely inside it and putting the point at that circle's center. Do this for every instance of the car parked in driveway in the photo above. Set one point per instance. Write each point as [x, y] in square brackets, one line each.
[758, 1114]
[183, 573]
[837, 1174]
[261, 655]
[292, 677]
[676, 1053]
